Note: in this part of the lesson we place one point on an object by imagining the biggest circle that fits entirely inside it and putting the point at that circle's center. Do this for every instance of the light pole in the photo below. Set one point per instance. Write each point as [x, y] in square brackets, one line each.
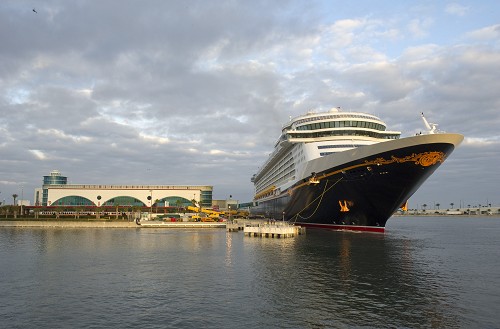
[22, 197]
[151, 204]
[195, 202]
[229, 206]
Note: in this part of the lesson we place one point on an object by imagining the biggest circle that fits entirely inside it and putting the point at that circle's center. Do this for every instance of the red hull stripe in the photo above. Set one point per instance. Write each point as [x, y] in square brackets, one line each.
[376, 229]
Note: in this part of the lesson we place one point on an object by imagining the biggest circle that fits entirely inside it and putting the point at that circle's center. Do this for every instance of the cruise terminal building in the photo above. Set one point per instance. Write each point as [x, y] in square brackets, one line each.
[56, 191]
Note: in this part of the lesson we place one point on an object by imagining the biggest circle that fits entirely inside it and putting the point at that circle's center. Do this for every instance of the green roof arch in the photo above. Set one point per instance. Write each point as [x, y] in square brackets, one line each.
[73, 200]
[124, 201]
[173, 201]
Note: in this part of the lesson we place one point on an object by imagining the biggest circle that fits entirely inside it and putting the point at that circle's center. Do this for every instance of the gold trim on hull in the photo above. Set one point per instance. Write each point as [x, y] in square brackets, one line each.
[344, 205]
[424, 159]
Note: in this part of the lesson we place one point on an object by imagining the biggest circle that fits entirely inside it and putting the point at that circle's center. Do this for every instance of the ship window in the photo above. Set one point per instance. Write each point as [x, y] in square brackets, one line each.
[339, 124]
[320, 147]
[344, 133]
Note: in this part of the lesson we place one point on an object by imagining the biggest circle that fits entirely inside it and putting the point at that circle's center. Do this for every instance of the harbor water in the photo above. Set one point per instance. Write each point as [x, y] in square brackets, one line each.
[424, 272]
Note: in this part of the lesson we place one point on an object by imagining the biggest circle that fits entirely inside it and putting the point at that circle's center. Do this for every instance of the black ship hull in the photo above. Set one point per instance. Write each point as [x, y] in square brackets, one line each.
[364, 193]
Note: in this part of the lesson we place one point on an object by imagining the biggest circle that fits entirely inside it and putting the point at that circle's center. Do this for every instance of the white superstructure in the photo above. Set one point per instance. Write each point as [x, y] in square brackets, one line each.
[311, 136]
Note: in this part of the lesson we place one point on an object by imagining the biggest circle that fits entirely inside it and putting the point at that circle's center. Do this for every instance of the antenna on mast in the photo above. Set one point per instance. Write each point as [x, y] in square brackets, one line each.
[431, 127]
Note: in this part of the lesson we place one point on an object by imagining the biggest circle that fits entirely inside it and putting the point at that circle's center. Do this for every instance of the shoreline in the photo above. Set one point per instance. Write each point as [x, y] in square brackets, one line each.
[103, 224]
[68, 224]
[495, 215]
[82, 223]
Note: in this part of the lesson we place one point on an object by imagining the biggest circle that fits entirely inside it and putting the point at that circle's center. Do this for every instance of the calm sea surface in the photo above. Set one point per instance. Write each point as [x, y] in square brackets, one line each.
[422, 273]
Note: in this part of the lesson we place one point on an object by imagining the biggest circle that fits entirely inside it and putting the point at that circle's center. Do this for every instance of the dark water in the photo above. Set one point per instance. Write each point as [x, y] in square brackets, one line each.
[422, 273]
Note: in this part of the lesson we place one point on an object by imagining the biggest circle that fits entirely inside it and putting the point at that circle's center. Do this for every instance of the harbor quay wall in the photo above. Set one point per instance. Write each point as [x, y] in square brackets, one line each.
[238, 223]
[68, 224]
[107, 224]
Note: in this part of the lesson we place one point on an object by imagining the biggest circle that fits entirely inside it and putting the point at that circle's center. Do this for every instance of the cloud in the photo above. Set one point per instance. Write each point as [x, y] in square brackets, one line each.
[456, 9]
[485, 34]
[39, 154]
[59, 134]
[154, 139]
[196, 93]
[419, 28]
[482, 141]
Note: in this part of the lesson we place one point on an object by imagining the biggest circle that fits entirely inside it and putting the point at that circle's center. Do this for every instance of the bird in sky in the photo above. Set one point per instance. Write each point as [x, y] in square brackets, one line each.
[35, 11]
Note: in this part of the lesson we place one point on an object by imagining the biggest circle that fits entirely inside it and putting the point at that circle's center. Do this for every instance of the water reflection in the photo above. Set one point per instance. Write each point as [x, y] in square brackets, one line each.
[211, 278]
[353, 279]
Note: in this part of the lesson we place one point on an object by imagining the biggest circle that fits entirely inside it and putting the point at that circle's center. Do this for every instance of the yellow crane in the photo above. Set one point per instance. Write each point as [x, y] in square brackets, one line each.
[211, 213]
[216, 214]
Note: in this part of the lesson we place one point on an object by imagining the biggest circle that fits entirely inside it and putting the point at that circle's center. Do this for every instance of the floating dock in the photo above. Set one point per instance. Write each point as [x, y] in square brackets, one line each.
[236, 225]
[273, 230]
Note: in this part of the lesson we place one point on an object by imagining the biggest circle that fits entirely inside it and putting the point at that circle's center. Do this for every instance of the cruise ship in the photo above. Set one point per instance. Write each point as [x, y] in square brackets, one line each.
[344, 170]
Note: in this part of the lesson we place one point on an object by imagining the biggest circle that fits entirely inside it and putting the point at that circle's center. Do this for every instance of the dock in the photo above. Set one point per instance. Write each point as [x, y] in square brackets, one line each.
[236, 225]
[274, 230]
[266, 228]
[251, 227]
[239, 224]
[182, 224]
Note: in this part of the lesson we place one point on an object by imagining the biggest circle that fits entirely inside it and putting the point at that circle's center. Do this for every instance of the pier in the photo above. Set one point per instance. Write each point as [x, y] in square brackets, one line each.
[265, 228]
[273, 230]
[239, 224]
[182, 224]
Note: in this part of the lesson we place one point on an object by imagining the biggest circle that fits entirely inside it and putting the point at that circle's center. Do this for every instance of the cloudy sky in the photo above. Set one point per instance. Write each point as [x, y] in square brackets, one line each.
[195, 92]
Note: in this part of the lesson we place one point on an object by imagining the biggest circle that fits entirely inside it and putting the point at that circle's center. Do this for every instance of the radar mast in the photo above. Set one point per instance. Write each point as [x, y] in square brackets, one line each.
[431, 127]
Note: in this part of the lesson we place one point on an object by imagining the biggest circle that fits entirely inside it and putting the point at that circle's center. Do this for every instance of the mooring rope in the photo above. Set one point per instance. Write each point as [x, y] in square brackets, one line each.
[319, 202]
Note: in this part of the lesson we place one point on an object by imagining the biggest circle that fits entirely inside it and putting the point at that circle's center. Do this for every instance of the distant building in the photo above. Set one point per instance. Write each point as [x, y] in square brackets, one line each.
[225, 204]
[57, 192]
